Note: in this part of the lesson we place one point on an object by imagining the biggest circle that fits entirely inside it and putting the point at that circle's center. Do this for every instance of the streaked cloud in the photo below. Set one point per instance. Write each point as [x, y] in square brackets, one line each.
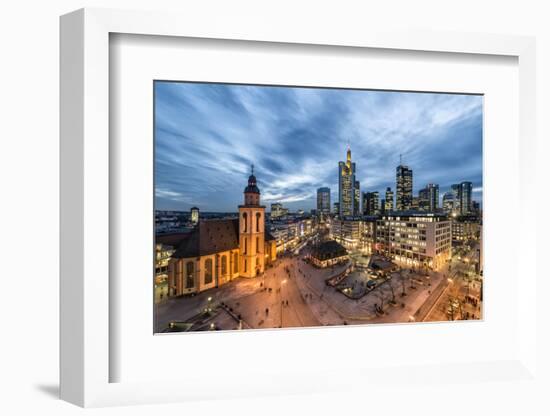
[208, 135]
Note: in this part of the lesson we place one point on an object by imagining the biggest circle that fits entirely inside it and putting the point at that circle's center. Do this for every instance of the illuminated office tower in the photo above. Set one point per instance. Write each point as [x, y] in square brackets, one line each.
[404, 188]
[346, 187]
[388, 203]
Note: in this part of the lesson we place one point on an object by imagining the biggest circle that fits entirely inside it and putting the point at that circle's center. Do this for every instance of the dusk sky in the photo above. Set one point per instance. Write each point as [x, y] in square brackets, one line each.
[208, 135]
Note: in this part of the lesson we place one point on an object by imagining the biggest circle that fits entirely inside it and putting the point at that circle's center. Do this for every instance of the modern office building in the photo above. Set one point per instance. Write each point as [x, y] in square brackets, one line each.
[371, 203]
[415, 239]
[323, 201]
[448, 202]
[465, 195]
[465, 228]
[403, 188]
[455, 189]
[357, 199]
[346, 187]
[388, 202]
[428, 198]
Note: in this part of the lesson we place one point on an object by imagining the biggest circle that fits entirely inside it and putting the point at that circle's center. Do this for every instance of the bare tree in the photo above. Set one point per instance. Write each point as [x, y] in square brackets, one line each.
[388, 282]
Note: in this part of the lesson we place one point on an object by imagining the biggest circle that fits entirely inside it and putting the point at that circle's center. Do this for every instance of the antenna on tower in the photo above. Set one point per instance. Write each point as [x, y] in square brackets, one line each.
[400, 159]
[252, 168]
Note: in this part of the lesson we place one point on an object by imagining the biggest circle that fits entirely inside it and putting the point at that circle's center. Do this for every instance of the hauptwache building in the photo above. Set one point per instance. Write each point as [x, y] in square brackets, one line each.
[220, 250]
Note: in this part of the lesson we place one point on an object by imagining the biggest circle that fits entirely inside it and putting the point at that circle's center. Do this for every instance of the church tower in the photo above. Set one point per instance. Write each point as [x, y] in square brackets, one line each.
[252, 231]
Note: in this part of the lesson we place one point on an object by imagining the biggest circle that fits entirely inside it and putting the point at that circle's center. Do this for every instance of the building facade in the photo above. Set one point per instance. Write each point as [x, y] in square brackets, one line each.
[428, 198]
[371, 203]
[415, 239]
[388, 202]
[466, 228]
[403, 188]
[465, 196]
[346, 187]
[323, 201]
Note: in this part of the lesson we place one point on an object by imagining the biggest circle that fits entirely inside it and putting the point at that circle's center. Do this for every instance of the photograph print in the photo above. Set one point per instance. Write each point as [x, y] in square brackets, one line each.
[300, 207]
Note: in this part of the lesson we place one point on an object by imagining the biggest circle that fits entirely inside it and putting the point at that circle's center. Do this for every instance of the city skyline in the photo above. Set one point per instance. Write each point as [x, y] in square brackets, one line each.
[207, 135]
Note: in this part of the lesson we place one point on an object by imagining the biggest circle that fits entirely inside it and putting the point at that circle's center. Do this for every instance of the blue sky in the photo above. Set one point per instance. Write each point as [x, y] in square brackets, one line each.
[208, 135]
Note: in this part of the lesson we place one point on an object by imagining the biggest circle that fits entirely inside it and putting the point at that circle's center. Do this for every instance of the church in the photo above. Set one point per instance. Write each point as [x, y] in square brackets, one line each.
[217, 251]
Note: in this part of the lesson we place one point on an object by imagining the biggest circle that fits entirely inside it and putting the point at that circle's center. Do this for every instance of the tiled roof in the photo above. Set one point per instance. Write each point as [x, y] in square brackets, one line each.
[209, 237]
[172, 239]
[212, 236]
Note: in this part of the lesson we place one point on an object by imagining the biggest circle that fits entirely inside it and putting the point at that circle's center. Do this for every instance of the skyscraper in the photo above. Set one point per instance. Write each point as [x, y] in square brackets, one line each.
[371, 203]
[404, 188]
[346, 186]
[428, 198]
[356, 199]
[323, 200]
[465, 194]
[455, 189]
[448, 202]
[388, 203]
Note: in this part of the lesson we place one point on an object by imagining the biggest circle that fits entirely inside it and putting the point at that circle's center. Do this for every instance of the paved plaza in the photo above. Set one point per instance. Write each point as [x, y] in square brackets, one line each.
[294, 293]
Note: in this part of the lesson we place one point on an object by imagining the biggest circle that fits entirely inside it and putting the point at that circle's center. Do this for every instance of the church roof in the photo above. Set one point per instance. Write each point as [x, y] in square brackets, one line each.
[212, 236]
[172, 239]
[209, 237]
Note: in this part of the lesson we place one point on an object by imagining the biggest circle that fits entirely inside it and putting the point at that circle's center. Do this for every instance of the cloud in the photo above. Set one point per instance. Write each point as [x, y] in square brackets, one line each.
[208, 135]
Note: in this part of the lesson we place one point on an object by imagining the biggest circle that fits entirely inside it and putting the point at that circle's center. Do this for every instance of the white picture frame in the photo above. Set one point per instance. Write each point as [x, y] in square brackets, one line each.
[85, 204]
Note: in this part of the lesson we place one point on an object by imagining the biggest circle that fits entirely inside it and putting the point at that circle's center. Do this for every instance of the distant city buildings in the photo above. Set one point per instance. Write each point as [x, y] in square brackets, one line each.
[277, 210]
[403, 188]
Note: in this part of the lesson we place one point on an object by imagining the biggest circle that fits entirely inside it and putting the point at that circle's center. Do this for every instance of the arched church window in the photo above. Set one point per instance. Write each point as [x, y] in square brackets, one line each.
[224, 265]
[190, 275]
[208, 271]
[245, 222]
[258, 216]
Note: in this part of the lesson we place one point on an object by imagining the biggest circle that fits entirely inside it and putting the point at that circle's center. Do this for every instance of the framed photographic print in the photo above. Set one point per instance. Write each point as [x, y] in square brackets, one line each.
[297, 212]
[259, 225]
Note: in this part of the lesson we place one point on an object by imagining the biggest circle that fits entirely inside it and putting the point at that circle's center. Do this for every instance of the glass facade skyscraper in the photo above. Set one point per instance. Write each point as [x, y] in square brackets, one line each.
[404, 188]
[323, 200]
[346, 187]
